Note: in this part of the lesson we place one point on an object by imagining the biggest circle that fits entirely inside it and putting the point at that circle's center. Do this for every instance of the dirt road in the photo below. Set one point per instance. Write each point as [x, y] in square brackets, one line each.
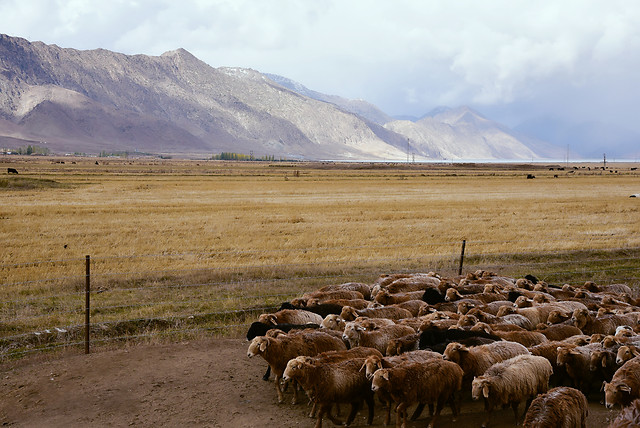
[208, 383]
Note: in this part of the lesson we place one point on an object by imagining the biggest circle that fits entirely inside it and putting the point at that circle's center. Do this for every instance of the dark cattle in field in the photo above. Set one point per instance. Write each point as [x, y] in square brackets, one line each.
[12, 171]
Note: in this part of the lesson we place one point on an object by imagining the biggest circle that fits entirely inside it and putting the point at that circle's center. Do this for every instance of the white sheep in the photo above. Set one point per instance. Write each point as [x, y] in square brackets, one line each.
[512, 381]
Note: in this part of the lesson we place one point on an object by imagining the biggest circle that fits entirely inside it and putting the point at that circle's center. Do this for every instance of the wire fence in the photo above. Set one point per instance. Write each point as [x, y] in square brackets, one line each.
[53, 304]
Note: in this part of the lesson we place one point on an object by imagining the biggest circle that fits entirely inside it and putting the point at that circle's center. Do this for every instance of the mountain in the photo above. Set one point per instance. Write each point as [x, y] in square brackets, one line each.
[360, 107]
[462, 133]
[98, 100]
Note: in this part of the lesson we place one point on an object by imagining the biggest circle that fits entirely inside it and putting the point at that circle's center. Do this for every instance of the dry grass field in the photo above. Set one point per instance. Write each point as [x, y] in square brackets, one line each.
[171, 238]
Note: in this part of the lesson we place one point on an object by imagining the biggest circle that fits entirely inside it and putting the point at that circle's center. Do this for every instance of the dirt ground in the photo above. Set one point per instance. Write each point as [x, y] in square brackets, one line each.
[207, 383]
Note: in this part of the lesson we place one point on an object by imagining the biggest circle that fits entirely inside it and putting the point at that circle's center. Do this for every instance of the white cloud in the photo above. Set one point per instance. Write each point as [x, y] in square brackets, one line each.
[406, 55]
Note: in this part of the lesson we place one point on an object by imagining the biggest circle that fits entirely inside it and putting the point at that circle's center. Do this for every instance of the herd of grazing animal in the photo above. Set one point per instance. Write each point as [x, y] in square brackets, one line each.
[426, 340]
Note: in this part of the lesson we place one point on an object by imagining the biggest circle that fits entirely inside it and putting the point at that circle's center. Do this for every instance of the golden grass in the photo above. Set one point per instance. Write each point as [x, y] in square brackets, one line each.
[171, 237]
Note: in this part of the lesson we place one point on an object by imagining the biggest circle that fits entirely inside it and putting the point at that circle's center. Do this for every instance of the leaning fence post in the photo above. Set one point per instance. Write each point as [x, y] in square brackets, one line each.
[464, 242]
[87, 294]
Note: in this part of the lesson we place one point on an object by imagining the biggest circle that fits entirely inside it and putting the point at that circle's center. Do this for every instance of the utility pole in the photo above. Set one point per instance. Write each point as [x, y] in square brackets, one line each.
[604, 161]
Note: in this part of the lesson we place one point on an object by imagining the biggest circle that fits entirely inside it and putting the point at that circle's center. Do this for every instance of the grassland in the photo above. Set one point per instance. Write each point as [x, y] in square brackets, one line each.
[194, 240]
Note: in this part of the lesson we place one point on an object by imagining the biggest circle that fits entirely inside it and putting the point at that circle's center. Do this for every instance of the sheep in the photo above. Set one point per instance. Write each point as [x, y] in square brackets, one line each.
[603, 362]
[355, 303]
[604, 325]
[624, 386]
[560, 407]
[577, 363]
[437, 340]
[391, 312]
[629, 417]
[434, 381]
[323, 296]
[373, 363]
[550, 350]
[277, 351]
[415, 282]
[514, 319]
[371, 323]
[413, 306]
[356, 335]
[327, 383]
[626, 352]
[475, 360]
[333, 322]
[290, 316]
[386, 298]
[322, 309]
[453, 295]
[512, 381]
[362, 288]
[526, 338]
[558, 331]
[259, 329]
[403, 344]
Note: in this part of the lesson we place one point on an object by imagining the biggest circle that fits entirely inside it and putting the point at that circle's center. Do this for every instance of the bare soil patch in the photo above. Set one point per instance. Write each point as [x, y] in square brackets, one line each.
[208, 383]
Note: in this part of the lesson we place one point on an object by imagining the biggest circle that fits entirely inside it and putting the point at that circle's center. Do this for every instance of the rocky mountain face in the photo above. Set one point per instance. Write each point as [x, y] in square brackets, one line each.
[97, 100]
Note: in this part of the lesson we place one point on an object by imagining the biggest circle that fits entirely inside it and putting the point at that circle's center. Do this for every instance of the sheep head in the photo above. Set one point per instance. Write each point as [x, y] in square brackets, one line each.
[454, 352]
[380, 380]
[616, 393]
[480, 387]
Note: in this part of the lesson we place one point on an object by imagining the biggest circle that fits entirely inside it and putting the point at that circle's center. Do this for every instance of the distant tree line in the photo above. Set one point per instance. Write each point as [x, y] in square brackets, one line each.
[30, 150]
[243, 157]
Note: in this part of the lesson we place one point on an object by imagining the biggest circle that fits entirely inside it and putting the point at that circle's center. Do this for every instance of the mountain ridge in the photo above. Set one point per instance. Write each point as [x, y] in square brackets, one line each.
[97, 100]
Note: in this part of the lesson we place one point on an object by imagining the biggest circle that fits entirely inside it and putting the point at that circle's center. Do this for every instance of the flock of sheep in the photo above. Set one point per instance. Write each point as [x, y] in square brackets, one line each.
[433, 341]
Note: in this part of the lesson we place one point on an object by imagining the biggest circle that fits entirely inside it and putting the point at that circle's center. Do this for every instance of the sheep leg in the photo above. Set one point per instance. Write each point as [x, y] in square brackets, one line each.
[278, 389]
[439, 406]
[314, 410]
[418, 411]
[371, 405]
[296, 388]
[267, 373]
[333, 419]
[355, 407]
[401, 415]
[514, 406]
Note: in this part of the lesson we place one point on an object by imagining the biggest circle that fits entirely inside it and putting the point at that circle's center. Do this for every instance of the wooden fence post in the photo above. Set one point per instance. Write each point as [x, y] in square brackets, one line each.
[87, 295]
[464, 242]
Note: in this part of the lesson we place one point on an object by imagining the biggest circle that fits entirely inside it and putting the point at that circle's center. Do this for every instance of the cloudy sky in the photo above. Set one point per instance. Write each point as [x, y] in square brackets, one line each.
[516, 61]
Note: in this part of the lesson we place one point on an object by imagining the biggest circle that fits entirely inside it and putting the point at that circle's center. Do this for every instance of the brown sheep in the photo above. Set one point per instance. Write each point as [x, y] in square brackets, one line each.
[476, 359]
[626, 353]
[386, 298]
[432, 382]
[606, 324]
[624, 386]
[363, 289]
[526, 338]
[560, 407]
[512, 381]
[277, 351]
[390, 312]
[323, 296]
[558, 331]
[413, 306]
[327, 383]
[290, 316]
[379, 339]
[629, 417]
[403, 344]
[373, 363]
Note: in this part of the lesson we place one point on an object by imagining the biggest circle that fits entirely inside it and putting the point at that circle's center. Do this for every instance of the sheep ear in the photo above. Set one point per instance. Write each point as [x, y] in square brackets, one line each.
[485, 390]
[604, 383]
[624, 387]
[364, 366]
[272, 319]
[385, 376]
[263, 345]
